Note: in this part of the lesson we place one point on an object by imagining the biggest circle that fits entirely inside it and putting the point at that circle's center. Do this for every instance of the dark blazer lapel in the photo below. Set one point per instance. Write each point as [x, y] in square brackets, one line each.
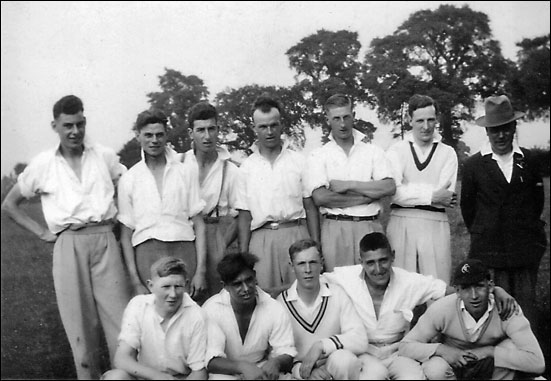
[491, 168]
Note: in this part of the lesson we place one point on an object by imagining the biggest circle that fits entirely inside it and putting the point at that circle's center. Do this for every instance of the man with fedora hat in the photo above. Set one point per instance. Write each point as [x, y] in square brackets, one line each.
[502, 198]
[474, 343]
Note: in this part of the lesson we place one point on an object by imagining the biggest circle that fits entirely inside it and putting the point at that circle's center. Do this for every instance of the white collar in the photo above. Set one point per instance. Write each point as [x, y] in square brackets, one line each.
[487, 150]
[292, 292]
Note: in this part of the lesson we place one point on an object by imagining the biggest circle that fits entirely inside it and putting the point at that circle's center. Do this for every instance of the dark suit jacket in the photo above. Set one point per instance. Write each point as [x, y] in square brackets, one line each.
[504, 218]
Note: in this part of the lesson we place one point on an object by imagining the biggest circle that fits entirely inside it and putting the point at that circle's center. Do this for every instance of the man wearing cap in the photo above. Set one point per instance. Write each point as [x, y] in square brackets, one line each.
[347, 178]
[425, 171]
[502, 198]
[474, 343]
[275, 206]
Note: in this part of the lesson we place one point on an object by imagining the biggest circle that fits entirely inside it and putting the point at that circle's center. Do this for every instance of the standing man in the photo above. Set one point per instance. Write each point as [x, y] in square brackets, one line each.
[347, 178]
[425, 171]
[473, 342]
[275, 207]
[328, 332]
[75, 181]
[160, 208]
[384, 297]
[218, 186]
[249, 333]
[502, 200]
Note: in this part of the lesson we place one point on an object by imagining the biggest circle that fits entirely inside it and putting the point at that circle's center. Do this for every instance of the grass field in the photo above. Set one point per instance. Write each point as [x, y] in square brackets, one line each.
[34, 345]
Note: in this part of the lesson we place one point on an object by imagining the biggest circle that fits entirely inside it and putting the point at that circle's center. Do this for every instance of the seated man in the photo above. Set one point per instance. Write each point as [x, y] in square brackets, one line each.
[473, 343]
[328, 332]
[163, 334]
[384, 297]
[249, 333]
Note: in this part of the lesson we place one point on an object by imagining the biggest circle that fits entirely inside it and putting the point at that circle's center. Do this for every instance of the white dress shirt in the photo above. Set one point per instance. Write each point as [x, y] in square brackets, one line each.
[269, 330]
[364, 162]
[67, 200]
[272, 192]
[150, 215]
[505, 162]
[178, 349]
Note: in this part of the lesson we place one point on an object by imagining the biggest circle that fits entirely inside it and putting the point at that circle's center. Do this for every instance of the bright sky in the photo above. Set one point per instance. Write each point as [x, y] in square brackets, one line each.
[111, 54]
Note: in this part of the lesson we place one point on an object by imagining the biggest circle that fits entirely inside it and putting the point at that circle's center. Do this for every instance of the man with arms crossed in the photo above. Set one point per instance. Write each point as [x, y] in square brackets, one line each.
[474, 343]
[425, 171]
[75, 181]
[347, 178]
[327, 330]
[384, 297]
[163, 334]
[249, 333]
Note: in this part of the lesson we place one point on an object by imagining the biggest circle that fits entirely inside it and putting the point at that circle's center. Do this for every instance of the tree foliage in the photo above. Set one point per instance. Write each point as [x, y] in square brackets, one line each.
[530, 81]
[448, 54]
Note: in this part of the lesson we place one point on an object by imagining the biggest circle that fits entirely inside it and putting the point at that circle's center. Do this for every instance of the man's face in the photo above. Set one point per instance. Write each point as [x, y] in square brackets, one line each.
[205, 135]
[71, 129]
[423, 122]
[153, 138]
[243, 288]
[307, 267]
[377, 265]
[475, 297]
[501, 138]
[169, 292]
[267, 126]
[341, 121]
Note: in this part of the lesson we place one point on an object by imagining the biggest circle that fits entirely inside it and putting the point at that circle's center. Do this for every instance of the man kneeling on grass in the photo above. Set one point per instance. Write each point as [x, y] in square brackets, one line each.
[474, 342]
[163, 334]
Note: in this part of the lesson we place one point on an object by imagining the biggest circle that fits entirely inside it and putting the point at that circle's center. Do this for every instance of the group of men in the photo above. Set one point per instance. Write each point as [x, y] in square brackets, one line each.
[322, 211]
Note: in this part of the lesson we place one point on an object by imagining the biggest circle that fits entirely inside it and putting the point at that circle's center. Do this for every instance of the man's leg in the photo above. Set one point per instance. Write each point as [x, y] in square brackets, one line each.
[436, 368]
[434, 254]
[76, 304]
[404, 368]
[344, 365]
[372, 368]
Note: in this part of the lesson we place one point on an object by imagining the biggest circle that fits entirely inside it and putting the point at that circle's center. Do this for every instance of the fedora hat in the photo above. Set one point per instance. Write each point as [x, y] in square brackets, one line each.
[498, 112]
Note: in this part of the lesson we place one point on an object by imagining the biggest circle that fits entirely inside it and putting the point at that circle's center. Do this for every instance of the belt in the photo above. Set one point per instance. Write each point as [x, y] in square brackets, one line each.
[211, 220]
[344, 217]
[275, 225]
[90, 224]
[421, 207]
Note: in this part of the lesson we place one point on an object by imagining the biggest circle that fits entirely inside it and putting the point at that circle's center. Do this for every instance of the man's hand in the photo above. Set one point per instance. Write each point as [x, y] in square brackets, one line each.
[320, 374]
[251, 371]
[48, 236]
[482, 352]
[506, 305]
[198, 285]
[309, 360]
[271, 369]
[454, 356]
[444, 197]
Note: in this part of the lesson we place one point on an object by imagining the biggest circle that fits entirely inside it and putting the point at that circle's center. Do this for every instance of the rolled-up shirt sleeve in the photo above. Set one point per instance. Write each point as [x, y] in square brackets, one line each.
[281, 337]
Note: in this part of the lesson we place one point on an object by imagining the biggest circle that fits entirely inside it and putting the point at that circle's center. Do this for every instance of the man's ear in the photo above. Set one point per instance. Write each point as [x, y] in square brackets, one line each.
[53, 124]
[149, 283]
[491, 286]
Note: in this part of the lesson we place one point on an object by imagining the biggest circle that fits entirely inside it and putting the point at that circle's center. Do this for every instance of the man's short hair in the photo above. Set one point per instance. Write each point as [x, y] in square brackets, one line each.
[421, 101]
[69, 105]
[374, 241]
[265, 102]
[201, 111]
[166, 266]
[231, 265]
[152, 116]
[301, 245]
[338, 100]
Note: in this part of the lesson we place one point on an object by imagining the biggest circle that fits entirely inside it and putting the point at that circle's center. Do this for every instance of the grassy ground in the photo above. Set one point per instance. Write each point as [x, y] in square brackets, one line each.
[34, 344]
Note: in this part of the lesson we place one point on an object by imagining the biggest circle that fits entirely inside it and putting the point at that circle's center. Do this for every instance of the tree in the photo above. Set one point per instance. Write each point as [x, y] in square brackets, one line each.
[530, 83]
[448, 54]
[326, 63]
